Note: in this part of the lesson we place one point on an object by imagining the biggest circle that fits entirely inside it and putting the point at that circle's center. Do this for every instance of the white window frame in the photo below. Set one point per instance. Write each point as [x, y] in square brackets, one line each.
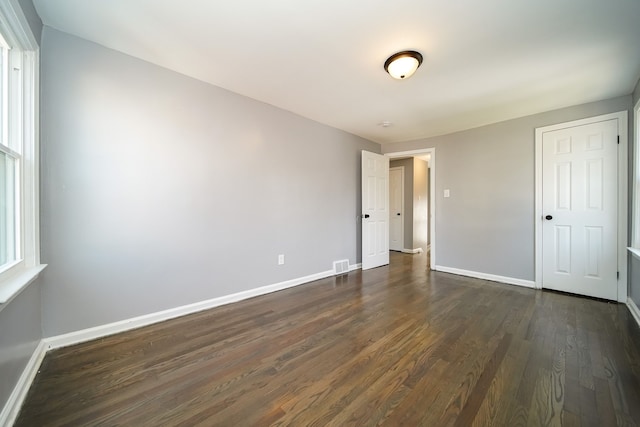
[635, 218]
[23, 128]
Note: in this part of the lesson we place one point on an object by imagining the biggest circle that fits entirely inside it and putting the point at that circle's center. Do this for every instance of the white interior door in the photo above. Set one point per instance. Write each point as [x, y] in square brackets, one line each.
[580, 204]
[396, 206]
[375, 210]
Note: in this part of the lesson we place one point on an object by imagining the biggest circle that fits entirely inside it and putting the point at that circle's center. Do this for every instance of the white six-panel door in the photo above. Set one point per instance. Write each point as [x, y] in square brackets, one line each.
[375, 210]
[580, 209]
[396, 206]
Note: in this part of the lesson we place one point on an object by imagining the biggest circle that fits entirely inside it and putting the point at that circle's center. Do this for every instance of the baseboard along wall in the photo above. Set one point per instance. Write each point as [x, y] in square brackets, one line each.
[19, 393]
[486, 276]
[412, 251]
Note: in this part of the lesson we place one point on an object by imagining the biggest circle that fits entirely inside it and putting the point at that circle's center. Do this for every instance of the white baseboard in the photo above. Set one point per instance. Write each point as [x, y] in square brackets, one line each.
[357, 266]
[101, 331]
[633, 308]
[412, 251]
[485, 276]
[14, 403]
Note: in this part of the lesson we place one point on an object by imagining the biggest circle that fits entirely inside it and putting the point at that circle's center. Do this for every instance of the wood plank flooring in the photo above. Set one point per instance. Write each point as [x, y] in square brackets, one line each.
[397, 345]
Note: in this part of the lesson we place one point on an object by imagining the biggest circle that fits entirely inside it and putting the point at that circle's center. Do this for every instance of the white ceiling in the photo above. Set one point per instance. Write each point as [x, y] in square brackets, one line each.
[485, 61]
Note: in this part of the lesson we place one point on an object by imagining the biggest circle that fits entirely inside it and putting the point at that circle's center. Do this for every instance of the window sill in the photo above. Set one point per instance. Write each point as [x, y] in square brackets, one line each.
[635, 252]
[12, 287]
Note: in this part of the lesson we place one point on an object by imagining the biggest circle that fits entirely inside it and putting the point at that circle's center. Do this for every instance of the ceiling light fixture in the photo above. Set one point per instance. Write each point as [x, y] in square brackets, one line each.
[402, 65]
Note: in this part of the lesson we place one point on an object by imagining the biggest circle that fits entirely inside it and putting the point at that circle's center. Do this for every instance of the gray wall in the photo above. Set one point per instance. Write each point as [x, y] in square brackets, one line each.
[159, 190]
[20, 333]
[490, 172]
[634, 280]
[20, 319]
[408, 200]
[420, 204]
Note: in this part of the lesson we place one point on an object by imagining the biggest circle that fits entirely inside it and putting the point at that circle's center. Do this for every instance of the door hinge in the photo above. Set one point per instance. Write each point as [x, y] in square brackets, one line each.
[618, 274]
[618, 139]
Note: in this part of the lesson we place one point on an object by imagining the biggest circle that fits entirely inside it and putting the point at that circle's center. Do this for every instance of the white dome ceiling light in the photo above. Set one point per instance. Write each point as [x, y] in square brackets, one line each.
[403, 64]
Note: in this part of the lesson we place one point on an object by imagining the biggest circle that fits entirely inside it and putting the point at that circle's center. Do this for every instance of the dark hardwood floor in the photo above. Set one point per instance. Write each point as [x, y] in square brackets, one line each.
[397, 345]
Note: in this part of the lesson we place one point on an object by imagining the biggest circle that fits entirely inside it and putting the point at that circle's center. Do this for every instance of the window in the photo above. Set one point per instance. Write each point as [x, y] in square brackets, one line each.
[635, 222]
[19, 234]
[8, 208]
[9, 168]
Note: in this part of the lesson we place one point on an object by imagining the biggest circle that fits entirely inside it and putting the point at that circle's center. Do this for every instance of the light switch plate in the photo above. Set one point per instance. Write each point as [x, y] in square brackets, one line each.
[446, 193]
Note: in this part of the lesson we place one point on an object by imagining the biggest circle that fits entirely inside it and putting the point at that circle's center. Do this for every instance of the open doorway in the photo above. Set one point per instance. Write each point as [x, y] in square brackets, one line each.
[418, 201]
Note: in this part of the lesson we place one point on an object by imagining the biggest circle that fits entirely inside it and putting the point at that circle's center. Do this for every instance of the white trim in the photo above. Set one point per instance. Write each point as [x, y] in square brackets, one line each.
[633, 308]
[412, 251]
[432, 193]
[622, 194]
[538, 210]
[485, 276]
[16, 26]
[31, 160]
[17, 396]
[634, 251]
[100, 331]
[635, 219]
[12, 286]
[357, 266]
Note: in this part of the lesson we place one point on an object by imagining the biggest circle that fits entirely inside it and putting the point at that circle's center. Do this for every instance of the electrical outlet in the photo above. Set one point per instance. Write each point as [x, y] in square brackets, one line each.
[281, 259]
[447, 193]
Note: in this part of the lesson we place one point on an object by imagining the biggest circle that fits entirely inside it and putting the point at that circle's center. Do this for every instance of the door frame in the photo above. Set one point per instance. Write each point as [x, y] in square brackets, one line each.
[401, 169]
[432, 194]
[623, 133]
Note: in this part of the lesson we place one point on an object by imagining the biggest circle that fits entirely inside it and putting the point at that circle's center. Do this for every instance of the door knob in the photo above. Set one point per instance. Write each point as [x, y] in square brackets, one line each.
[365, 216]
[548, 217]
[398, 214]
